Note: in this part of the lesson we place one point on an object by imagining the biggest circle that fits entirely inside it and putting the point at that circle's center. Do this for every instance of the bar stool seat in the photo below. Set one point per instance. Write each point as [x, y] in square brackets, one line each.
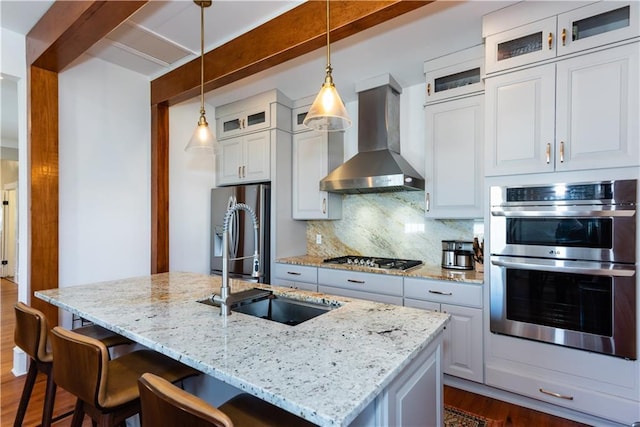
[31, 335]
[165, 405]
[106, 389]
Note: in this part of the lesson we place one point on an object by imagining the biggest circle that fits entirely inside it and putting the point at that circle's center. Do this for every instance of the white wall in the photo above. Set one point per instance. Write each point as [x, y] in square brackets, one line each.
[13, 63]
[105, 173]
[191, 178]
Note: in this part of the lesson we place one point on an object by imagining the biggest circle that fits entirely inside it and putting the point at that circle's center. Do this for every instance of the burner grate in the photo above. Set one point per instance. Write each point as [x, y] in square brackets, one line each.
[375, 262]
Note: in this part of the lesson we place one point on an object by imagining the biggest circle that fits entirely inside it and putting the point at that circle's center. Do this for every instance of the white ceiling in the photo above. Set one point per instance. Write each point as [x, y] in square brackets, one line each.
[165, 34]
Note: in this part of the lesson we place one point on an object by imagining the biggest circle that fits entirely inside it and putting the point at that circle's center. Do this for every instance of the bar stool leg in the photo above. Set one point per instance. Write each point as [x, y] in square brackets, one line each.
[49, 399]
[26, 393]
[78, 414]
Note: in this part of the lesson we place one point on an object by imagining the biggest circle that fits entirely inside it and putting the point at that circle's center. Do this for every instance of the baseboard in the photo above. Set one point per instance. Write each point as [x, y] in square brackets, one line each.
[527, 402]
[20, 362]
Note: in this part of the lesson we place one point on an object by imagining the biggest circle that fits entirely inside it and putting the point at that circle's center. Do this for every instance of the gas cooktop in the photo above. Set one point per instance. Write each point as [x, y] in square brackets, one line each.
[375, 262]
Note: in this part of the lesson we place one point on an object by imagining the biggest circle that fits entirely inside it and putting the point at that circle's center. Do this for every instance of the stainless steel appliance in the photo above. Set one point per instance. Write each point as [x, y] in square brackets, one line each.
[241, 231]
[457, 254]
[563, 264]
[375, 262]
[378, 165]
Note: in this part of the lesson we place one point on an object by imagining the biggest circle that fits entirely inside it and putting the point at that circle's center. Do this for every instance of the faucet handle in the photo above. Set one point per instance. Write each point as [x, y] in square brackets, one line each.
[256, 267]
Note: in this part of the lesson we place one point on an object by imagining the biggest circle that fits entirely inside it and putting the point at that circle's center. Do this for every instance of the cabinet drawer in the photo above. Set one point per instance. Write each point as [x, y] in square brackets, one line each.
[296, 273]
[443, 292]
[607, 406]
[366, 282]
[386, 299]
[295, 285]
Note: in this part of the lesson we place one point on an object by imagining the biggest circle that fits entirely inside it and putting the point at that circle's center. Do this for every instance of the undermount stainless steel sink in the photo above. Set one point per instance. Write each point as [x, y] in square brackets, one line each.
[266, 305]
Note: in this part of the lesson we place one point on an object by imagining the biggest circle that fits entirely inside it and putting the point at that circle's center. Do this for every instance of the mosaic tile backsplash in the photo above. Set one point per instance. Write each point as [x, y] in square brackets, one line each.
[389, 225]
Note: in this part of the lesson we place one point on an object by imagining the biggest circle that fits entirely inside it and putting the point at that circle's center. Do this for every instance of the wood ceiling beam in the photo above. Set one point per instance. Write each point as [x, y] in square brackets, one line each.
[70, 28]
[294, 33]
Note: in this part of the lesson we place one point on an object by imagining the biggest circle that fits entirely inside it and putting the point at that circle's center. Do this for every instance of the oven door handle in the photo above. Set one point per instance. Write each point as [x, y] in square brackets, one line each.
[579, 267]
[562, 212]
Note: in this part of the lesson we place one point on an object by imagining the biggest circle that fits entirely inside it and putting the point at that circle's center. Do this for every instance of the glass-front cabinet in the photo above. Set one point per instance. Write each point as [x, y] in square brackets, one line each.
[522, 45]
[560, 34]
[597, 24]
[454, 75]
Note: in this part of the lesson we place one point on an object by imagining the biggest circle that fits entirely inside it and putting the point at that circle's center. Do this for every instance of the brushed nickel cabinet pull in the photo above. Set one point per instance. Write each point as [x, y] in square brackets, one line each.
[550, 41]
[440, 292]
[427, 201]
[355, 281]
[428, 89]
[564, 37]
[561, 151]
[244, 171]
[239, 171]
[324, 205]
[548, 153]
[554, 394]
[294, 273]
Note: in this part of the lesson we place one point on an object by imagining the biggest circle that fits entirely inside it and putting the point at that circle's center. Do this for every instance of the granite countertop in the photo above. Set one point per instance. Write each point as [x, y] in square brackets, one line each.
[327, 369]
[425, 271]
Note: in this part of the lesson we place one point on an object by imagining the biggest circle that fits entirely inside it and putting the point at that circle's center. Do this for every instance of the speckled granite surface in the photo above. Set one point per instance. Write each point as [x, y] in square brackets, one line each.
[327, 369]
[388, 225]
[426, 271]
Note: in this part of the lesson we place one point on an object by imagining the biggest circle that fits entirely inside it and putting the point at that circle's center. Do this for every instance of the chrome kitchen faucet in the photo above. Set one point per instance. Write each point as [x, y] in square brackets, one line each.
[223, 298]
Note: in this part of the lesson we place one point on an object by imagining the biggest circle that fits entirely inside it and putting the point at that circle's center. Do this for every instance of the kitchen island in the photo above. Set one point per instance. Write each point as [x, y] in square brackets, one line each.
[362, 363]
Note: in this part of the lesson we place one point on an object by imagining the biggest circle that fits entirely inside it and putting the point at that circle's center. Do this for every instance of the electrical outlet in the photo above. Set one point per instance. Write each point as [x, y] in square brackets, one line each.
[318, 239]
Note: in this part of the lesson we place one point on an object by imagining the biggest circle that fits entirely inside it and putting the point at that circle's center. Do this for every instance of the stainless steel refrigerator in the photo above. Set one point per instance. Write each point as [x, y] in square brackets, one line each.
[241, 232]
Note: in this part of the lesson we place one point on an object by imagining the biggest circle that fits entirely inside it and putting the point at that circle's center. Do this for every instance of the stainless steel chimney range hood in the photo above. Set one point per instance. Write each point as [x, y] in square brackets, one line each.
[378, 166]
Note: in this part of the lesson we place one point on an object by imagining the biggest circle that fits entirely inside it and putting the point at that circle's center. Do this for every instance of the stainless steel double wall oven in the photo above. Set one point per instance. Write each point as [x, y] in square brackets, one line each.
[563, 264]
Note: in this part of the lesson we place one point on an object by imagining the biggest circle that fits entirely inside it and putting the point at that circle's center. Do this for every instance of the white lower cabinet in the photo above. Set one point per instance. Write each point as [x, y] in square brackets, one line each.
[463, 338]
[383, 288]
[599, 385]
[295, 276]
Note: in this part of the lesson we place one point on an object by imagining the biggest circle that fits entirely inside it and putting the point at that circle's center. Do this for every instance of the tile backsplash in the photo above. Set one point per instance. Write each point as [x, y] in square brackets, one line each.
[390, 225]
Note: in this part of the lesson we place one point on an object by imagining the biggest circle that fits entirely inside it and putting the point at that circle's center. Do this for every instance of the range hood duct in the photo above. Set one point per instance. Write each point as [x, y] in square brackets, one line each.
[378, 166]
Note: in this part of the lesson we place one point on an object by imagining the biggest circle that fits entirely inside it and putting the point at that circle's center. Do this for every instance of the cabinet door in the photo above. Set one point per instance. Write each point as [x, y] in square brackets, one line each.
[597, 24]
[310, 164]
[597, 110]
[243, 122]
[257, 157]
[462, 355]
[455, 80]
[522, 45]
[520, 113]
[453, 172]
[229, 161]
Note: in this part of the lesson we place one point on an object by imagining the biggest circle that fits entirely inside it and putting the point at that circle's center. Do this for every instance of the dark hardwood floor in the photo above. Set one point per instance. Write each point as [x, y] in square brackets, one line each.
[11, 388]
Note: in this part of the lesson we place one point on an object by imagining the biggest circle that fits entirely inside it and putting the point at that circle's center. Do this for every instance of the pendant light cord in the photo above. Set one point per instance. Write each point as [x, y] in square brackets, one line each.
[328, 44]
[202, 58]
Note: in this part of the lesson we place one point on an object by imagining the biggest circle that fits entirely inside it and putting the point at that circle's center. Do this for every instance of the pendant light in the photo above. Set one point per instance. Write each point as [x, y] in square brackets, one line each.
[202, 137]
[327, 113]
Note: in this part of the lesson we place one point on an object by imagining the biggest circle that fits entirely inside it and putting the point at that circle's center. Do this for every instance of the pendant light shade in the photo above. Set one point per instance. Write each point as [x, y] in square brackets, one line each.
[202, 137]
[327, 113]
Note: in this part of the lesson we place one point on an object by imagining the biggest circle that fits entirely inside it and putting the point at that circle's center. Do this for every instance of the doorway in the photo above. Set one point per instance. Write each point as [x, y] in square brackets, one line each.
[8, 233]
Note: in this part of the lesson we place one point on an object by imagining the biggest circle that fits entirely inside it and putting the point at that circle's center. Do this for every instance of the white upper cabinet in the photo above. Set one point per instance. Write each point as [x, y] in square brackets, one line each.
[597, 24]
[245, 130]
[597, 110]
[519, 46]
[315, 154]
[554, 29]
[454, 75]
[520, 121]
[453, 156]
[241, 122]
[575, 114]
[244, 159]
[563, 99]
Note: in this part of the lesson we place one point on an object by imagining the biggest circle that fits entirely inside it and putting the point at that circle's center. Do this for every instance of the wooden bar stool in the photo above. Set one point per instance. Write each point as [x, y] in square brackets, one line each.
[107, 390]
[165, 405]
[31, 335]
